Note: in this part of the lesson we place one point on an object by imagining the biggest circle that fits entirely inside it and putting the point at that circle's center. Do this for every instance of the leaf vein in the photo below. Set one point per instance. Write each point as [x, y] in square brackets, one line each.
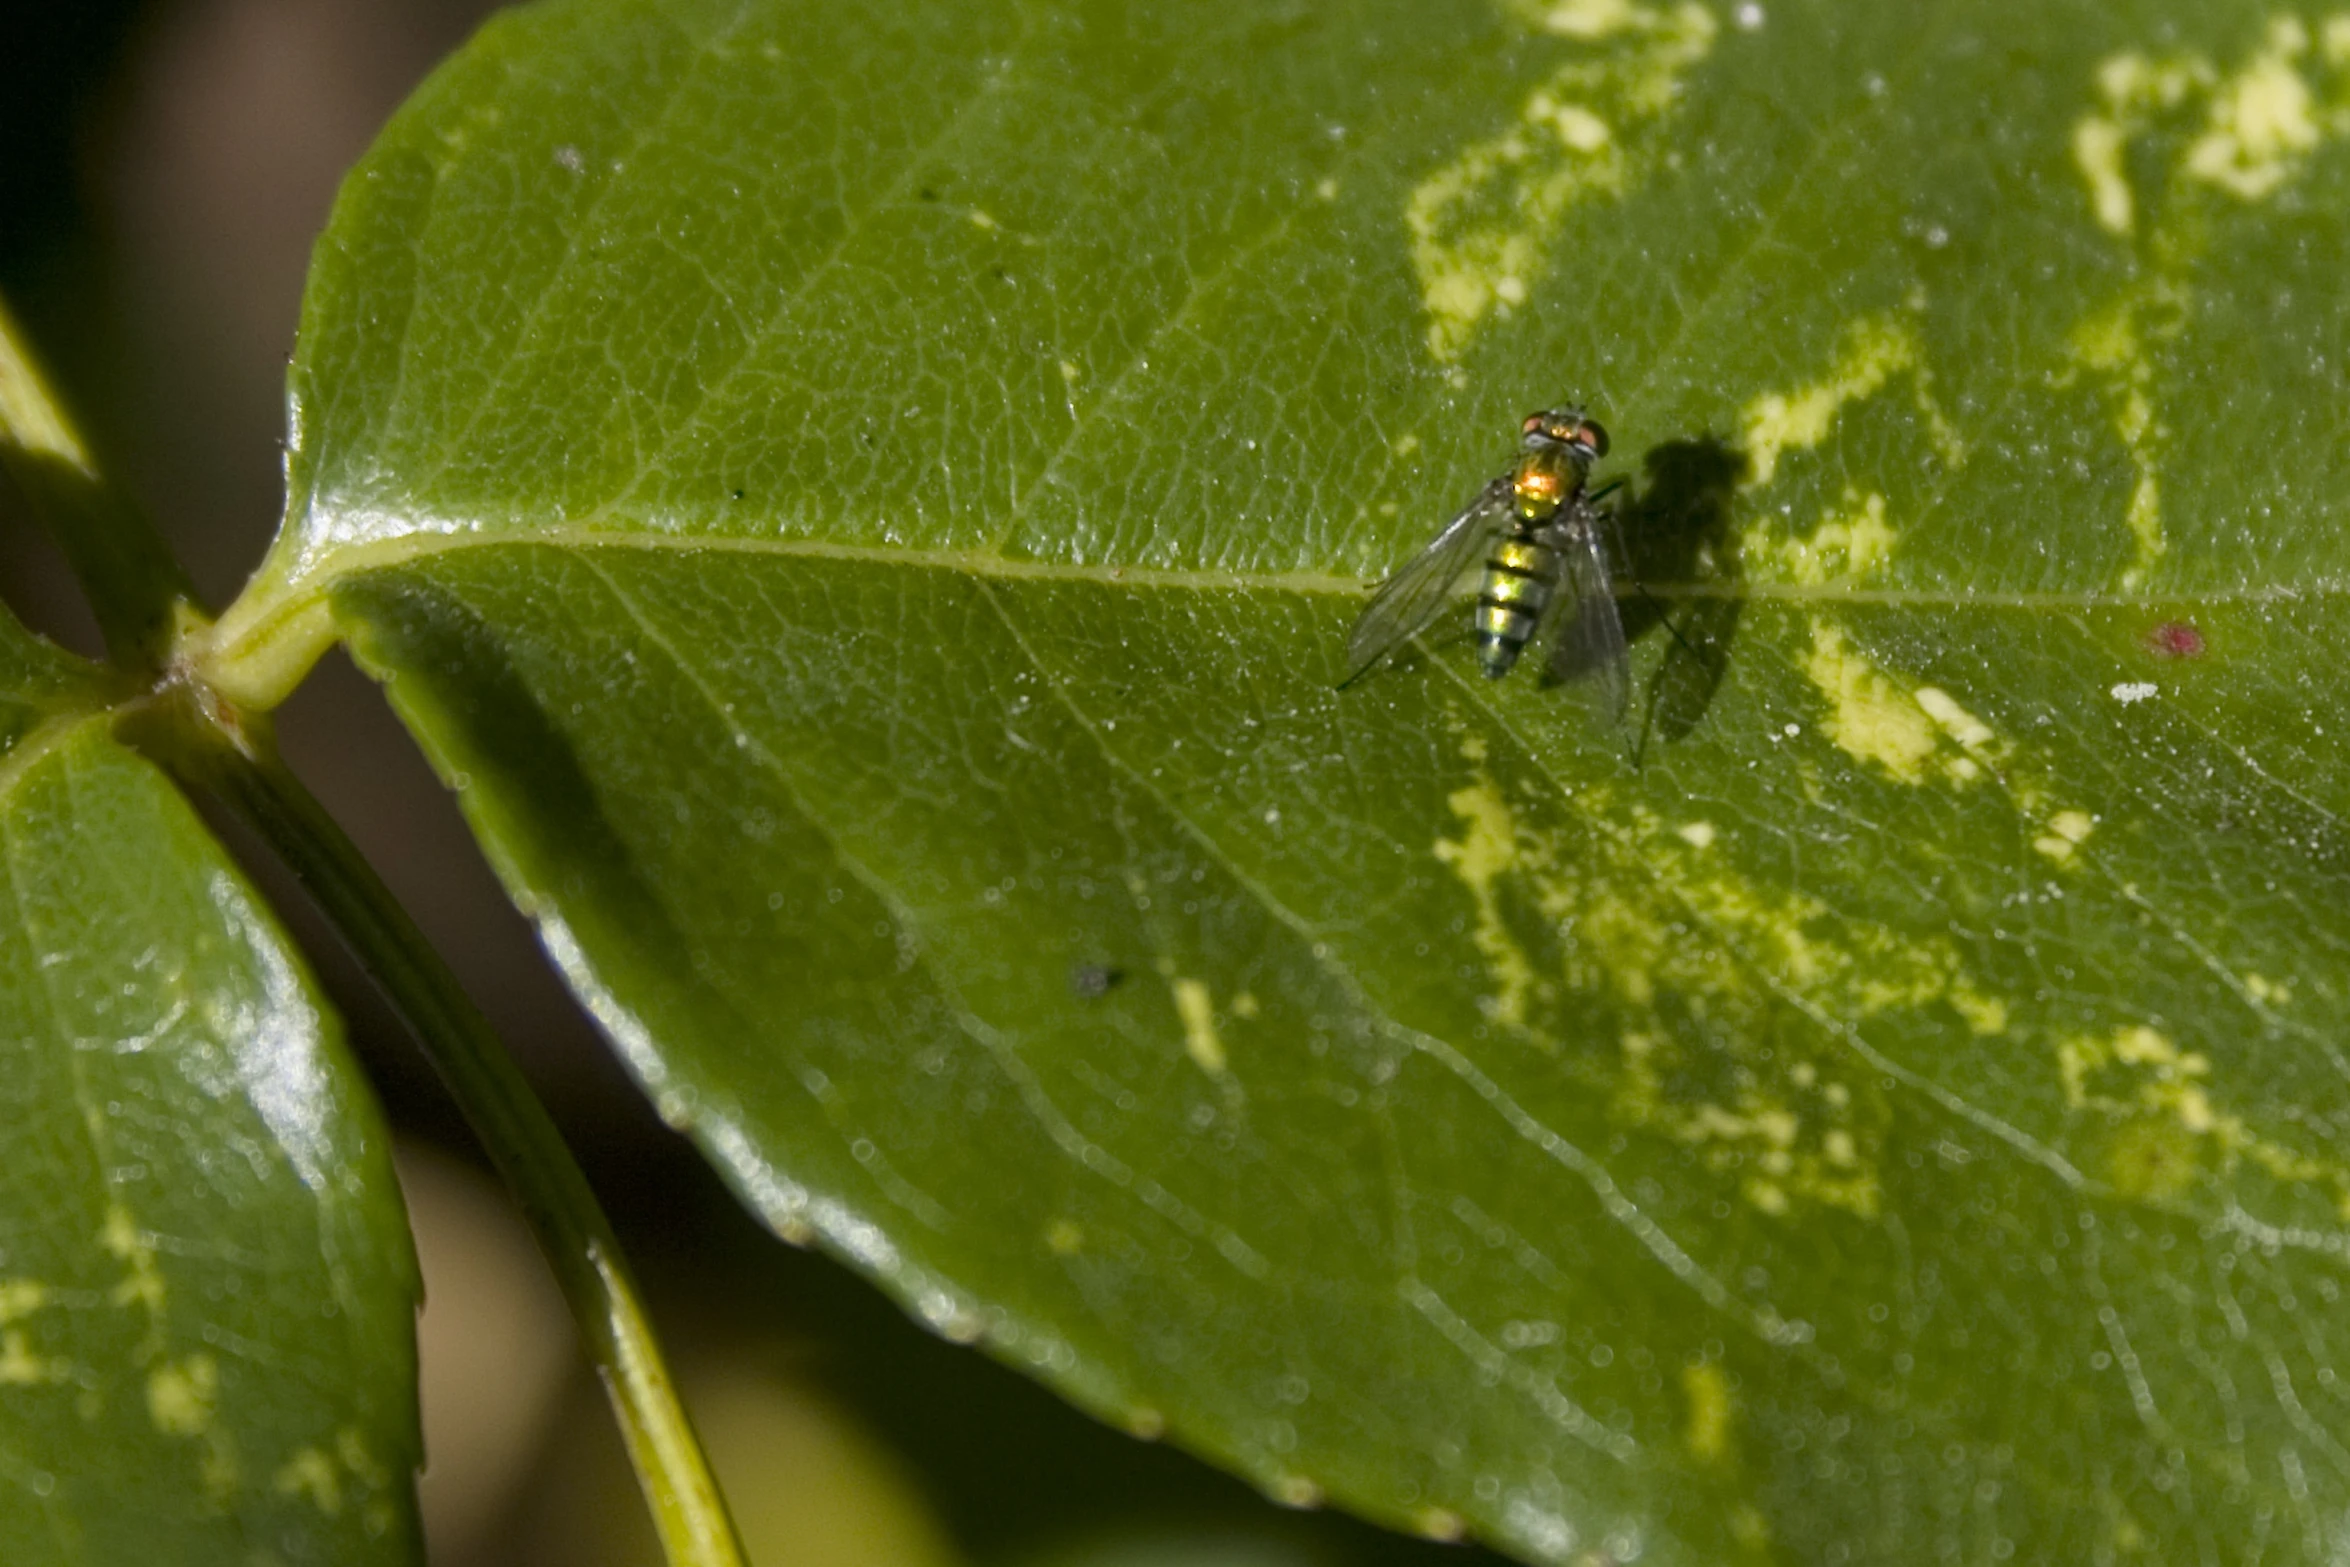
[1063, 1132]
[1653, 1237]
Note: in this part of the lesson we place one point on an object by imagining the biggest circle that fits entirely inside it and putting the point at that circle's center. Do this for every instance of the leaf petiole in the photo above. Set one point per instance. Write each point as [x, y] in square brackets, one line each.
[514, 1128]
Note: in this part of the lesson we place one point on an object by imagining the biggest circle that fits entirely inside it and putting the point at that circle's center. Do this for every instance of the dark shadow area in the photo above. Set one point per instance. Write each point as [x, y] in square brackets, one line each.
[1674, 546]
[56, 65]
[97, 540]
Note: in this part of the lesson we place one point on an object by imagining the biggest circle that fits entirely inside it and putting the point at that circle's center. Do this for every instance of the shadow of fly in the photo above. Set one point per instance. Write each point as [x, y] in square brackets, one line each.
[1534, 537]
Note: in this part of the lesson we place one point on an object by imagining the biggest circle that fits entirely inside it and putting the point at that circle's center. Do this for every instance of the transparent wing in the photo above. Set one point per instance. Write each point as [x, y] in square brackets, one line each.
[1408, 601]
[1586, 634]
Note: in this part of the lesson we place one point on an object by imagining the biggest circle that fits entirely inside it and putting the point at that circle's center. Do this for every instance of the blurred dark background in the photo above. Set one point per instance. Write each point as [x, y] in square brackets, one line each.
[167, 166]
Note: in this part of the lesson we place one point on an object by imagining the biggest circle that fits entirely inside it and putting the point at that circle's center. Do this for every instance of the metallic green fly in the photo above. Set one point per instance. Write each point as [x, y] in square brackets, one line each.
[1536, 535]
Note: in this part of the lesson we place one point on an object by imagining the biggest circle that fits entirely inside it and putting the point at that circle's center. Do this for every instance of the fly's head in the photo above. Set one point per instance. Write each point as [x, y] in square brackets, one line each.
[1566, 430]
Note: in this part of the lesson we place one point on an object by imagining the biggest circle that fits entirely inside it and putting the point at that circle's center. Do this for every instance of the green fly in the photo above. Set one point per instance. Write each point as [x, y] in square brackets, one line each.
[1535, 534]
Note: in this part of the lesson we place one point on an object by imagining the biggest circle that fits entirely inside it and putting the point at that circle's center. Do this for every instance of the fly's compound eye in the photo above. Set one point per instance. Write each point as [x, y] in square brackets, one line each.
[1532, 424]
[1590, 434]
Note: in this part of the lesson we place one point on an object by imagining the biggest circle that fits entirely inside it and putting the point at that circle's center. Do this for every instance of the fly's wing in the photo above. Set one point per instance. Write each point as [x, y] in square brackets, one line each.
[1587, 635]
[1408, 601]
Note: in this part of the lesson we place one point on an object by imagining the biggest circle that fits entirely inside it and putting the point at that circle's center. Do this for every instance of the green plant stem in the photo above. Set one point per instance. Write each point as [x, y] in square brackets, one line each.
[513, 1126]
[137, 590]
[145, 606]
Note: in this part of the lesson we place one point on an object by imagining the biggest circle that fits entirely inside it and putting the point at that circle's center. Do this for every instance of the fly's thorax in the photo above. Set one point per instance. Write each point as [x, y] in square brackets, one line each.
[1545, 479]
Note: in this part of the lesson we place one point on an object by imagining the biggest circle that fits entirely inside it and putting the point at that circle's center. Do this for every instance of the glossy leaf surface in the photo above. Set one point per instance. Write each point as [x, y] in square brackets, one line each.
[867, 507]
[207, 1345]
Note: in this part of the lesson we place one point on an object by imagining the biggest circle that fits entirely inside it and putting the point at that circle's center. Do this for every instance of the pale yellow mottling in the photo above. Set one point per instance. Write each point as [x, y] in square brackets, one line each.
[2261, 120]
[1587, 18]
[364, 1466]
[2097, 151]
[20, 1367]
[1956, 722]
[1577, 128]
[2166, 1128]
[2133, 87]
[2108, 341]
[1875, 349]
[2111, 344]
[2335, 40]
[1483, 225]
[142, 1281]
[2076, 1058]
[1770, 1134]
[2066, 831]
[310, 1473]
[1244, 1006]
[2267, 991]
[1912, 734]
[1635, 917]
[181, 1395]
[1064, 1238]
[1775, 1126]
[1708, 1392]
[1439, 1523]
[1197, 1007]
[1985, 1015]
[1485, 852]
[1698, 835]
[2259, 126]
[1869, 717]
[2133, 83]
[1849, 544]
[2143, 1046]
[20, 1298]
[1295, 1491]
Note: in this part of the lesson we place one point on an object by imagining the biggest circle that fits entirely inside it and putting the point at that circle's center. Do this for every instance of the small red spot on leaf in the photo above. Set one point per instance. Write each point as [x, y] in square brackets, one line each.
[2175, 639]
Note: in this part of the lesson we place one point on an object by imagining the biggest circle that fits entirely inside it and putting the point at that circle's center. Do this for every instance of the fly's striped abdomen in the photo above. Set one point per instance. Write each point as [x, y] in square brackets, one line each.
[1519, 578]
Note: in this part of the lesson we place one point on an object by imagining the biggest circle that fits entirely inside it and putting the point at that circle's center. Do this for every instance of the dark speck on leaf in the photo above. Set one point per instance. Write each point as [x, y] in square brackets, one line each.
[1091, 980]
[738, 495]
[928, 194]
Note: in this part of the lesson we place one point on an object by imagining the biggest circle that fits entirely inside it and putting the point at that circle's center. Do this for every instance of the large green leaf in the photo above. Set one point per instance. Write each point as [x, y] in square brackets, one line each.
[865, 504]
[207, 1340]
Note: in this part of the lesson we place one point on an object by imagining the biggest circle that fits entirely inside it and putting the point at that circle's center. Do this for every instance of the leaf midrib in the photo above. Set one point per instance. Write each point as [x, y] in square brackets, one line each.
[351, 561]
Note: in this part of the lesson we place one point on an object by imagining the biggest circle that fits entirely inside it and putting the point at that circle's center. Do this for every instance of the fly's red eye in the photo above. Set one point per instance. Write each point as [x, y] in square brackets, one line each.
[1532, 424]
[1591, 435]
